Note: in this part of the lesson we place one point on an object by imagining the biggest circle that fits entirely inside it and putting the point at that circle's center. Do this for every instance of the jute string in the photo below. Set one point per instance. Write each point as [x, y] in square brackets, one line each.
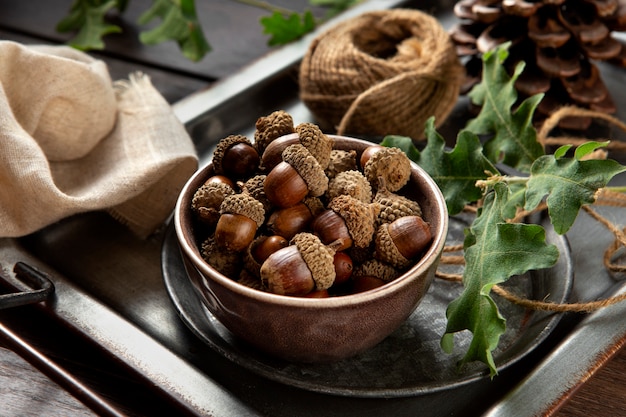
[380, 73]
[604, 197]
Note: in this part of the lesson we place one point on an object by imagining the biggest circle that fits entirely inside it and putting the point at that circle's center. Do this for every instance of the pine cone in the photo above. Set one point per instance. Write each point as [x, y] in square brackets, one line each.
[559, 40]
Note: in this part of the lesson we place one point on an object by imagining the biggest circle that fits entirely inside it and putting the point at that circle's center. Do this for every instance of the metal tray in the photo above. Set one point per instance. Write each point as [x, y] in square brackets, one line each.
[410, 361]
[109, 287]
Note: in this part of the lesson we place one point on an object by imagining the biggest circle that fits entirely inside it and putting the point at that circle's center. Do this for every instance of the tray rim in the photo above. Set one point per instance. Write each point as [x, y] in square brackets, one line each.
[171, 249]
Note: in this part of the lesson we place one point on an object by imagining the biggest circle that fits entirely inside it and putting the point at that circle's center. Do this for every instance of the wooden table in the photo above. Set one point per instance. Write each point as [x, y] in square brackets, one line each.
[24, 390]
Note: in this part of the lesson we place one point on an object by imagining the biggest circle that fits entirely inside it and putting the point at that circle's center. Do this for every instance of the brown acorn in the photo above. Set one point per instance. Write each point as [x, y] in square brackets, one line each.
[392, 165]
[240, 217]
[397, 243]
[299, 175]
[348, 220]
[208, 198]
[235, 156]
[303, 266]
[270, 128]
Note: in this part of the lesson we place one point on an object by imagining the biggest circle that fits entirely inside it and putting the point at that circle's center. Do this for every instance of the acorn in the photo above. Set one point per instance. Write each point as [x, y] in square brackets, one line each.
[376, 268]
[249, 280]
[316, 142]
[390, 163]
[235, 156]
[225, 261]
[208, 198]
[303, 266]
[401, 240]
[240, 217]
[270, 128]
[364, 283]
[289, 221]
[348, 220]
[343, 267]
[366, 155]
[393, 206]
[254, 187]
[352, 183]
[341, 161]
[259, 250]
[299, 175]
[273, 153]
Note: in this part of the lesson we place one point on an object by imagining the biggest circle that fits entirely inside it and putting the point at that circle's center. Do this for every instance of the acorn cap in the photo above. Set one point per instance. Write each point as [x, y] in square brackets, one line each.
[249, 263]
[394, 206]
[318, 257]
[271, 127]
[352, 183]
[207, 199]
[249, 280]
[386, 250]
[315, 205]
[221, 148]
[360, 218]
[390, 163]
[254, 187]
[245, 205]
[307, 166]
[376, 268]
[316, 142]
[226, 262]
[340, 161]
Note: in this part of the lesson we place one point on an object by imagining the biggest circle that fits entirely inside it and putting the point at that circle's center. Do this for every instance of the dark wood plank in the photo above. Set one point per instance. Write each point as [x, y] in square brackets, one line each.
[173, 86]
[220, 19]
[27, 392]
[603, 394]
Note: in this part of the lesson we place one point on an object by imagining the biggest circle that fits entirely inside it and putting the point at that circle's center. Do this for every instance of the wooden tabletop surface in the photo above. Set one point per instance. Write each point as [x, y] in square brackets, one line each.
[24, 390]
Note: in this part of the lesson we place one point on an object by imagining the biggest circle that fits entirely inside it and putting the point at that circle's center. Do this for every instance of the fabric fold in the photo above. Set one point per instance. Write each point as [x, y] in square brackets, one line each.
[88, 143]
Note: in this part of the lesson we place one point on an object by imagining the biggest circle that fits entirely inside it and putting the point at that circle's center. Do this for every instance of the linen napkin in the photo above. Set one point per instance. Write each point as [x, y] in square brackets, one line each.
[73, 141]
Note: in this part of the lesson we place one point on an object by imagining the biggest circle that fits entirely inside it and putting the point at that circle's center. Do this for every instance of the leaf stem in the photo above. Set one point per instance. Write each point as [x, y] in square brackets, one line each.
[615, 189]
[494, 179]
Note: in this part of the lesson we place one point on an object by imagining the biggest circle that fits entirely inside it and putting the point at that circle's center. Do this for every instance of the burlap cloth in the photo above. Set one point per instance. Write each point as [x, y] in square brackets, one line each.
[73, 141]
[380, 73]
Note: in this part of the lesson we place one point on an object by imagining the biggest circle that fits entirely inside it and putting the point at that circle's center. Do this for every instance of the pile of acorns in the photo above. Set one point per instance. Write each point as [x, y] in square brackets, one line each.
[291, 215]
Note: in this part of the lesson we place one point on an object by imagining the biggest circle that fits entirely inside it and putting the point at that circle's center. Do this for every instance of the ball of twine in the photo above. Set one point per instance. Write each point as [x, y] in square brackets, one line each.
[383, 72]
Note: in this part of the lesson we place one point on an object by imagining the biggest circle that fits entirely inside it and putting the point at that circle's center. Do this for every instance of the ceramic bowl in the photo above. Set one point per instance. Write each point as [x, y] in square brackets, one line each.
[314, 329]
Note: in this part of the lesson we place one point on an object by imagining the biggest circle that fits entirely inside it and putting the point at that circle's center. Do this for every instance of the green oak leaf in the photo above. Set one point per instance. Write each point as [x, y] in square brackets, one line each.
[88, 18]
[455, 171]
[179, 22]
[514, 139]
[494, 251]
[284, 29]
[569, 183]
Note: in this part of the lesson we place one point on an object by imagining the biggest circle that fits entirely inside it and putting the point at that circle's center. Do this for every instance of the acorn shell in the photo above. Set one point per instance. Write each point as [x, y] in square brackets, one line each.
[223, 146]
[386, 250]
[376, 268]
[390, 163]
[341, 161]
[254, 187]
[271, 127]
[208, 198]
[246, 205]
[318, 257]
[360, 218]
[226, 262]
[394, 206]
[352, 183]
[316, 142]
[307, 166]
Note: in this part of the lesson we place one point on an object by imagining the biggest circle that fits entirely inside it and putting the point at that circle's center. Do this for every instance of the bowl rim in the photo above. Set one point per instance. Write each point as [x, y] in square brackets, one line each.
[190, 250]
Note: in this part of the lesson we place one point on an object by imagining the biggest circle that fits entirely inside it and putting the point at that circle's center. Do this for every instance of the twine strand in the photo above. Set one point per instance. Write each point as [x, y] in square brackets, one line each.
[380, 73]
